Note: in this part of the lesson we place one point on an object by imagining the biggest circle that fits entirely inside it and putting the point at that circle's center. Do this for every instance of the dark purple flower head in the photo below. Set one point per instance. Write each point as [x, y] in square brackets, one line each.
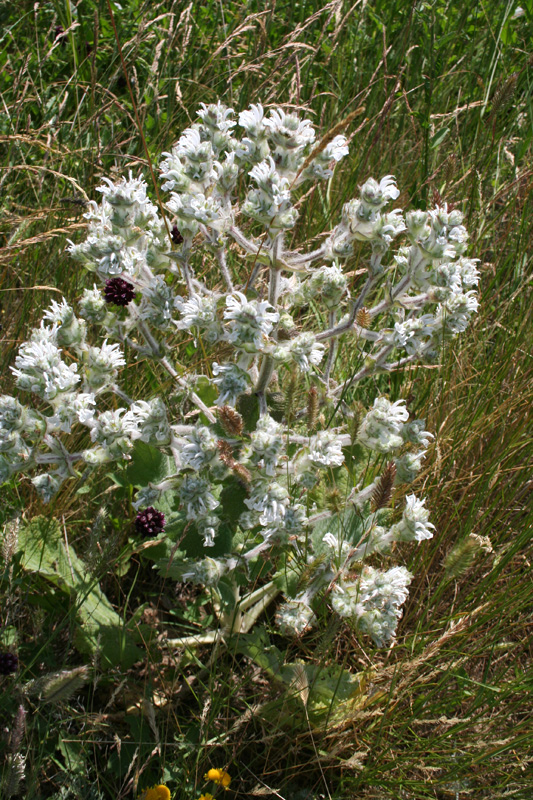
[8, 663]
[118, 291]
[177, 238]
[150, 522]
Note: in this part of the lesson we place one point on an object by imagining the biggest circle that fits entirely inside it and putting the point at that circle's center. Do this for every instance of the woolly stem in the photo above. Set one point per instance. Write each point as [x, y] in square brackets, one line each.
[332, 350]
[298, 259]
[267, 364]
[221, 258]
[347, 324]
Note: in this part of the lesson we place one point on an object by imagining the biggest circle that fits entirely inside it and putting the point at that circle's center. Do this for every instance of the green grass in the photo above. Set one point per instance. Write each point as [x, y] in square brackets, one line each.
[446, 91]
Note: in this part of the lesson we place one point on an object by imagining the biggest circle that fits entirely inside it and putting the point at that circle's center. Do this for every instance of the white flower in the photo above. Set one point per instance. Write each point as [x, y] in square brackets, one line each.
[150, 421]
[288, 131]
[69, 329]
[334, 151]
[207, 527]
[381, 428]
[252, 120]
[115, 431]
[250, 321]
[93, 306]
[305, 351]
[231, 381]
[331, 541]
[414, 432]
[454, 315]
[206, 572]
[199, 311]
[468, 271]
[359, 221]
[295, 617]
[48, 484]
[193, 209]
[328, 283]
[414, 525]
[266, 445]
[126, 207]
[74, 407]
[374, 600]
[252, 151]
[157, 303]
[197, 156]
[376, 194]
[201, 449]
[408, 466]
[387, 227]
[269, 181]
[270, 203]
[341, 549]
[40, 369]
[413, 334]
[102, 365]
[438, 233]
[18, 419]
[325, 450]
[172, 171]
[125, 192]
[270, 499]
[147, 496]
[226, 172]
[216, 116]
[287, 528]
[195, 495]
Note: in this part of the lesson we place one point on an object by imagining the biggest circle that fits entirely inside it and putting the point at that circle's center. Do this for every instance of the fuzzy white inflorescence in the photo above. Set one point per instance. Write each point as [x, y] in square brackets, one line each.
[267, 319]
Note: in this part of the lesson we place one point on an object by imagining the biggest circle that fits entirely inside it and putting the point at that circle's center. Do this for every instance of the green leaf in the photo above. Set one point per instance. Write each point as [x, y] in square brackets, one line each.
[44, 553]
[232, 500]
[347, 525]
[438, 138]
[9, 636]
[227, 594]
[257, 646]
[206, 391]
[248, 408]
[148, 465]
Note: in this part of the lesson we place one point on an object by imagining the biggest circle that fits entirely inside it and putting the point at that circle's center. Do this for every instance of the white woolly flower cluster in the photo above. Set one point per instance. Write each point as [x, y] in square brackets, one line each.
[381, 428]
[253, 461]
[385, 428]
[126, 233]
[266, 445]
[414, 526]
[28, 438]
[250, 322]
[295, 617]
[374, 601]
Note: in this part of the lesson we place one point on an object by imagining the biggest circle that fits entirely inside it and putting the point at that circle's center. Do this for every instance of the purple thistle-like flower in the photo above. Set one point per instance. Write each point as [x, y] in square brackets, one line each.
[150, 522]
[118, 291]
[8, 663]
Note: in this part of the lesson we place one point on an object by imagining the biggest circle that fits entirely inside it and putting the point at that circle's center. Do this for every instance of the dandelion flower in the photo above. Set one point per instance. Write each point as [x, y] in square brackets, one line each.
[218, 776]
[160, 792]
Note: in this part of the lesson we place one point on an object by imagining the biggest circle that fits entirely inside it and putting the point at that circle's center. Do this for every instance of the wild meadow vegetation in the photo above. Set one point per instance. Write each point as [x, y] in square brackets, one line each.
[120, 669]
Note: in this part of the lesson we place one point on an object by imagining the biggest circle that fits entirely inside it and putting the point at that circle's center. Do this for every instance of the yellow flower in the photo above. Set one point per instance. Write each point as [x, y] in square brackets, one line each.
[160, 792]
[206, 796]
[218, 776]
